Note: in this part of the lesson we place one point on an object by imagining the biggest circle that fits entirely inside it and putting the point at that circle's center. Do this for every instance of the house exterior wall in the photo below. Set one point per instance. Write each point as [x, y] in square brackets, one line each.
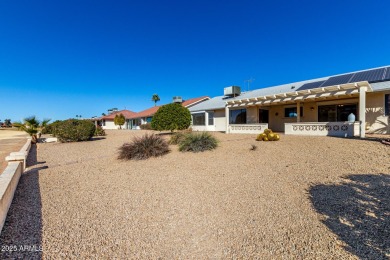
[110, 125]
[376, 121]
[277, 118]
[219, 122]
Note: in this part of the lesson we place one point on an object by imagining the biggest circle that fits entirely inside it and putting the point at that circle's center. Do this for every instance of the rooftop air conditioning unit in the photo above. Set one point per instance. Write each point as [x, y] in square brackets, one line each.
[177, 99]
[232, 91]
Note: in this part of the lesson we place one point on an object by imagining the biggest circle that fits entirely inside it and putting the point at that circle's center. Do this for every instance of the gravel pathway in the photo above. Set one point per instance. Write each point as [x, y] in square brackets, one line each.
[298, 198]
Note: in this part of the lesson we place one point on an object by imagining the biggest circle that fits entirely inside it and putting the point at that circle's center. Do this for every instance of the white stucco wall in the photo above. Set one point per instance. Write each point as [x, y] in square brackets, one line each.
[219, 122]
[109, 125]
[376, 121]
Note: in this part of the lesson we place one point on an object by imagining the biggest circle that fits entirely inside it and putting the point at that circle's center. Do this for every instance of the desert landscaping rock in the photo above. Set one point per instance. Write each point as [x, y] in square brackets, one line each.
[277, 202]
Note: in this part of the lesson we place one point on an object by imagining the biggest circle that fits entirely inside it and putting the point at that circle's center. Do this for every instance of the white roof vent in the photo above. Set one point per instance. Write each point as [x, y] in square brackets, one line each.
[232, 91]
[177, 99]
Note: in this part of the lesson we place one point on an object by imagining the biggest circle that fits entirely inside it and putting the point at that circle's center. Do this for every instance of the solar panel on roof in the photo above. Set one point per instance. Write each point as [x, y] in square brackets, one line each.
[338, 80]
[369, 75]
[387, 74]
[311, 85]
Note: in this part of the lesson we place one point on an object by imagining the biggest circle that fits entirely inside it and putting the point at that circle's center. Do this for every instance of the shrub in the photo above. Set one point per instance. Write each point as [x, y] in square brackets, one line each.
[73, 130]
[99, 131]
[119, 120]
[143, 148]
[171, 117]
[198, 142]
[146, 126]
[178, 137]
[51, 128]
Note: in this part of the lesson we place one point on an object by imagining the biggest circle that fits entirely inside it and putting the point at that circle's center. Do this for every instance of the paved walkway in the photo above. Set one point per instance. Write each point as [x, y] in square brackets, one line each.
[10, 141]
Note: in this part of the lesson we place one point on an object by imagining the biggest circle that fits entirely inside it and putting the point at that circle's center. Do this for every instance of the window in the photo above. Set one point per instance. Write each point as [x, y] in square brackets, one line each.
[292, 111]
[211, 118]
[104, 122]
[336, 113]
[148, 119]
[198, 119]
[387, 105]
[237, 116]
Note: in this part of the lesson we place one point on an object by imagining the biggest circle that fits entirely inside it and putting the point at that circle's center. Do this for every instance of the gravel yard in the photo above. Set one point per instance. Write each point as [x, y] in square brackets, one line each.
[299, 198]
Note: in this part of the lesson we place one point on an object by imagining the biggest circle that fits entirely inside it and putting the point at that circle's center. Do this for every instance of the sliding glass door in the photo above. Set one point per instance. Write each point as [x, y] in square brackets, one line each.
[336, 113]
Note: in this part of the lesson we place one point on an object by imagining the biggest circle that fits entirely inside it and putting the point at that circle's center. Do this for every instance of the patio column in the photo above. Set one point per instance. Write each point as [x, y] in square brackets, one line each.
[206, 119]
[227, 119]
[362, 111]
[298, 111]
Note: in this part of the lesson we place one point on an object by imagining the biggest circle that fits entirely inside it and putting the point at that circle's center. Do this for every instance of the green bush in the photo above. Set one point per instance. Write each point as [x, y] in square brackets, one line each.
[178, 137]
[119, 120]
[73, 130]
[198, 142]
[99, 131]
[51, 128]
[171, 117]
[143, 148]
[146, 126]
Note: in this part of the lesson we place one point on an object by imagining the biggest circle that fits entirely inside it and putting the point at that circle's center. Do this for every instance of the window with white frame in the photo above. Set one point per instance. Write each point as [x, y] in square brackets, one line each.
[237, 116]
[211, 118]
[198, 119]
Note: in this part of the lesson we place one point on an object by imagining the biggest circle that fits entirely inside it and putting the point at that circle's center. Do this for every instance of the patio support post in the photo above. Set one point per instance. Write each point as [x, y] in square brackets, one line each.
[206, 119]
[362, 111]
[227, 118]
[298, 112]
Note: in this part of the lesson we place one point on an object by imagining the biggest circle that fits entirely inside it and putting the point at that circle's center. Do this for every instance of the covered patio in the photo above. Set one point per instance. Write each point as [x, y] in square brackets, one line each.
[295, 100]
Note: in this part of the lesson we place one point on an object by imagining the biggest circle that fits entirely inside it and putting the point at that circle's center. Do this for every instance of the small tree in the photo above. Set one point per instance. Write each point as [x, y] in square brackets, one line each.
[171, 117]
[155, 98]
[119, 120]
[32, 126]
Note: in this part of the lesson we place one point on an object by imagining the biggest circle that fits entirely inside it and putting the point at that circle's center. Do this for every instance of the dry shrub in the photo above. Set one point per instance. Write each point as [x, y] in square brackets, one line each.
[198, 142]
[144, 147]
[178, 137]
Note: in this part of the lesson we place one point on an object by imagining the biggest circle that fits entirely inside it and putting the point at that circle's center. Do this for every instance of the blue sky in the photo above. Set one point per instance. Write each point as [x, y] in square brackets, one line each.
[59, 59]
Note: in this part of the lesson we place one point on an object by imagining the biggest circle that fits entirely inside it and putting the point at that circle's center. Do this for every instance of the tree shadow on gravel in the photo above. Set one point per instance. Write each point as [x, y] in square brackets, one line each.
[21, 237]
[358, 211]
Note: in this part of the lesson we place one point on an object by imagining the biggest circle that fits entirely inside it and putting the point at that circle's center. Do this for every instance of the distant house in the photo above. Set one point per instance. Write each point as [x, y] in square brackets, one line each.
[107, 122]
[146, 115]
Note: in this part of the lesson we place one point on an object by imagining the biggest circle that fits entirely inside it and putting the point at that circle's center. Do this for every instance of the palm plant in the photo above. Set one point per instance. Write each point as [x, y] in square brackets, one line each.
[155, 98]
[31, 125]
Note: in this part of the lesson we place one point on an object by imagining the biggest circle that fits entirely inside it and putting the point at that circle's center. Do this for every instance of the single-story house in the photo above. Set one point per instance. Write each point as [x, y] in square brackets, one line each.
[107, 122]
[349, 104]
[146, 115]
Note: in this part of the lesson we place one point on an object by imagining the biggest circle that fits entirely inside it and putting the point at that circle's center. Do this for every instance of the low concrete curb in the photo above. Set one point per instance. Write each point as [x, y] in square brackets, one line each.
[9, 179]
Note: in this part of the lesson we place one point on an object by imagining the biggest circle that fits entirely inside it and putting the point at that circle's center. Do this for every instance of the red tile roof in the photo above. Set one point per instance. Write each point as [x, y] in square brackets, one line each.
[151, 111]
[193, 101]
[147, 112]
[127, 113]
